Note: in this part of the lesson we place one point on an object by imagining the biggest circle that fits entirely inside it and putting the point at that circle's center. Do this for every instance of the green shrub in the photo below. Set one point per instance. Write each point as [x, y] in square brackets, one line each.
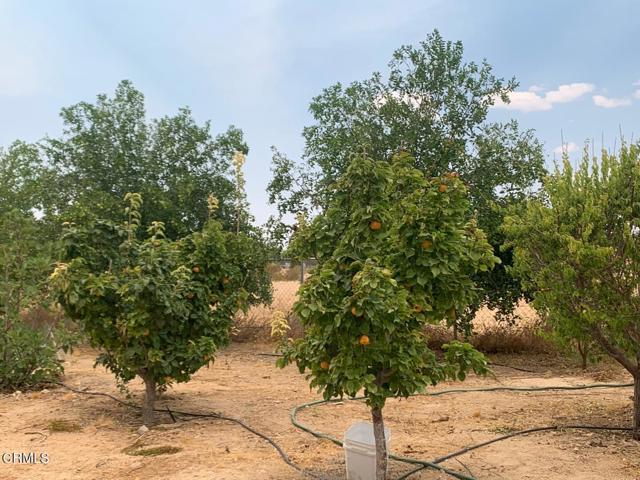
[29, 357]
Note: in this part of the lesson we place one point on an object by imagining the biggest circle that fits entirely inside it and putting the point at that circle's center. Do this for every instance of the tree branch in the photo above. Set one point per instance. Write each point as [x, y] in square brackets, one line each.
[614, 351]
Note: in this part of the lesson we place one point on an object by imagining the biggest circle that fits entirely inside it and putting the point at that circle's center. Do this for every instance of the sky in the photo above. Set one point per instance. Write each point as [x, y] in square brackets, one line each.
[258, 64]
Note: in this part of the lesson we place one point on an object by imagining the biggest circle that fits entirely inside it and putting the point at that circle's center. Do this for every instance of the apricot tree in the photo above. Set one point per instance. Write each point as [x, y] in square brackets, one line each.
[578, 248]
[395, 251]
[157, 308]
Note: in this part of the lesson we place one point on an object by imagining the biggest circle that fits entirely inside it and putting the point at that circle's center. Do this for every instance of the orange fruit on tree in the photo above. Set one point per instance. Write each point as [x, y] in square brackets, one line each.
[363, 340]
[196, 269]
[426, 244]
[375, 225]
[354, 311]
[225, 280]
[442, 188]
[417, 308]
[145, 333]
[324, 365]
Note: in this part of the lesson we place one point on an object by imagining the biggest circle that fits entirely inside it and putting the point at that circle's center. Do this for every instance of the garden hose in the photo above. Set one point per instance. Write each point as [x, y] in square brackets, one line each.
[434, 464]
[422, 464]
[215, 415]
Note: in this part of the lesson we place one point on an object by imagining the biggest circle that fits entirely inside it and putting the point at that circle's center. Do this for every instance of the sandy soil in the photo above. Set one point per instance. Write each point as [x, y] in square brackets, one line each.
[248, 386]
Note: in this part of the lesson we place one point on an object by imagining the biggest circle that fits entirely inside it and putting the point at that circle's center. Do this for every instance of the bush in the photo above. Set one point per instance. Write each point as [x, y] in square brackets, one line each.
[157, 308]
[29, 357]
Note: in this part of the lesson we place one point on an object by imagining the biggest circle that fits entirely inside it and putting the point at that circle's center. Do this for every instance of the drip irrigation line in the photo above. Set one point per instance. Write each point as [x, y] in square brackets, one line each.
[519, 369]
[434, 464]
[215, 415]
[423, 464]
[462, 451]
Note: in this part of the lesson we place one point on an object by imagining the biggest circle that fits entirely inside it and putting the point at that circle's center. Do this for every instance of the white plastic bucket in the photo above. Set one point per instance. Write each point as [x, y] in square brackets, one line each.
[360, 451]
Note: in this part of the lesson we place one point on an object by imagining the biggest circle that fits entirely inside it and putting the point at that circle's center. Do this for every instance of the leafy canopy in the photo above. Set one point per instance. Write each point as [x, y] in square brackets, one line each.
[435, 105]
[109, 148]
[156, 307]
[577, 247]
[394, 252]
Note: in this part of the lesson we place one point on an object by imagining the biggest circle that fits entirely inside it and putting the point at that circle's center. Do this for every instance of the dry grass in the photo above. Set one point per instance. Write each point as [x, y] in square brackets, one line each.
[140, 451]
[489, 335]
[256, 324]
[60, 425]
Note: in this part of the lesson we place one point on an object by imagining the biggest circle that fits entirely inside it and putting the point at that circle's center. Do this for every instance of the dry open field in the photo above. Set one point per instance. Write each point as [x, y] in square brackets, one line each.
[246, 385]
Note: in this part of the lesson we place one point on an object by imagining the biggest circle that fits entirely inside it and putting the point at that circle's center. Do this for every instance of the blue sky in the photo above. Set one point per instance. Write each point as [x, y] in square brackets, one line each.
[257, 64]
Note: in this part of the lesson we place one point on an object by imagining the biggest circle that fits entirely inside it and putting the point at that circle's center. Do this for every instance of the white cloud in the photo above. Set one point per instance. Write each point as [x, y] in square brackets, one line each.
[568, 93]
[567, 147]
[606, 102]
[637, 94]
[525, 102]
[532, 100]
[636, 84]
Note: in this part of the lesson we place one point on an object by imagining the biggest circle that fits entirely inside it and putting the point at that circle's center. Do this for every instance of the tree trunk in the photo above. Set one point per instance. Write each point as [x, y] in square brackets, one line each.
[381, 444]
[584, 352]
[636, 406]
[149, 400]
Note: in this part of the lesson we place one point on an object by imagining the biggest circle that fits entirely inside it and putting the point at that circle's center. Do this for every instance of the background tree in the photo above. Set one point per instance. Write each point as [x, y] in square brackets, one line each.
[25, 261]
[578, 248]
[395, 251]
[157, 308]
[21, 186]
[110, 148]
[28, 355]
[435, 105]
[26, 251]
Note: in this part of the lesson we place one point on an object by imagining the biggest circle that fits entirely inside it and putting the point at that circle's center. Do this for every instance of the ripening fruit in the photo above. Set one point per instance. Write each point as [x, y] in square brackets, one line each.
[375, 225]
[196, 269]
[145, 333]
[417, 308]
[354, 312]
[324, 365]
[442, 188]
[426, 244]
[225, 280]
[363, 340]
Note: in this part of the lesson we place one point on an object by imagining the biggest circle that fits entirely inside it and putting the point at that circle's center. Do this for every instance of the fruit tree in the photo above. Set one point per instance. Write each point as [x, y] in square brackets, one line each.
[157, 308]
[578, 247]
[395, 251]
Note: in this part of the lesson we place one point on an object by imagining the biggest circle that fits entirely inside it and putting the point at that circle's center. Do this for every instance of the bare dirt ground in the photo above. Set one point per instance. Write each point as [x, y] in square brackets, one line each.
[248, 386]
